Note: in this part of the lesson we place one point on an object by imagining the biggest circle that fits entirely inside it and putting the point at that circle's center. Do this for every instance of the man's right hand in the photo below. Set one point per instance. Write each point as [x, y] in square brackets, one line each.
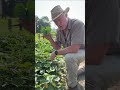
[53, 43]
[48, 36]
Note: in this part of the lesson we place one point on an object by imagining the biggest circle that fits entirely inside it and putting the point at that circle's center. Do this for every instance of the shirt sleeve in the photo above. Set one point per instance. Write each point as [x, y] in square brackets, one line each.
[78, 33]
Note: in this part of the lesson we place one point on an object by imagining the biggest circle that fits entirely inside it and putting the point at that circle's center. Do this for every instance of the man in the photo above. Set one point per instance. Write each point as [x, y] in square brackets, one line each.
[70, 35]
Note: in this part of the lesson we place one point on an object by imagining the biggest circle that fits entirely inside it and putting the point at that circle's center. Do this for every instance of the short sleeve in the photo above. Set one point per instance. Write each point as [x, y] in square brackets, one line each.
[78, 33]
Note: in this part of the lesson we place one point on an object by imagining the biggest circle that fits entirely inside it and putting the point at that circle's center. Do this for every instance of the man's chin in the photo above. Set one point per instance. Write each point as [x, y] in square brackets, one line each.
[61, 28]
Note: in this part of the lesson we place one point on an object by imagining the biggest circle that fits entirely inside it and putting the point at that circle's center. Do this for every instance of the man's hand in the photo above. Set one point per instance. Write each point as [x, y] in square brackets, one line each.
[52, 57]
[48, 36]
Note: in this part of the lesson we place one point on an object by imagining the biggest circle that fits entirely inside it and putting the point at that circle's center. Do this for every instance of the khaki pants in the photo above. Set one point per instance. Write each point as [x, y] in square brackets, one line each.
[72, 61]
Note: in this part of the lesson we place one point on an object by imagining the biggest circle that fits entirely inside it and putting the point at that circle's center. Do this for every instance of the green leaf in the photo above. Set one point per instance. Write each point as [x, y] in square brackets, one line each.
[51, 87]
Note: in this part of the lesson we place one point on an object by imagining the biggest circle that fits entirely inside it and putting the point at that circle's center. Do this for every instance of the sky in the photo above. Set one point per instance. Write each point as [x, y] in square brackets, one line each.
[77, 8]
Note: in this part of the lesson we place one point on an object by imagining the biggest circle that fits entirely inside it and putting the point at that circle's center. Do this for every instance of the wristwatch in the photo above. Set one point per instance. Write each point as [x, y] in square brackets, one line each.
[56, 52]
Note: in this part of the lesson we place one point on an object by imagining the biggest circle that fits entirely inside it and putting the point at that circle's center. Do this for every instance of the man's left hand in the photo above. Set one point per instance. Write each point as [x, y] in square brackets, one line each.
[52, 57]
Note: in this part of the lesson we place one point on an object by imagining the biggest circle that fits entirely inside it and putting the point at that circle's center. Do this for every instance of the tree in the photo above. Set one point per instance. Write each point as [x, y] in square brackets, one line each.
[37, 24]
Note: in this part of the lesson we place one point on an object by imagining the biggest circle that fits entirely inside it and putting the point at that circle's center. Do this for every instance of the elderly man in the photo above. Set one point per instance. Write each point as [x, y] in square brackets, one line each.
[70, 35]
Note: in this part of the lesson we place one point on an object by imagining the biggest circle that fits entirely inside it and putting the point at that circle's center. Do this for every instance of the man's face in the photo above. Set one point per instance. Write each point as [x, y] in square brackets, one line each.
[61, 22]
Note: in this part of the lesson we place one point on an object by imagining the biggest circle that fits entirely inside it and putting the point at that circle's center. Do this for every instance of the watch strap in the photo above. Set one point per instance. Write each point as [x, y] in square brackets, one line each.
[56, 52]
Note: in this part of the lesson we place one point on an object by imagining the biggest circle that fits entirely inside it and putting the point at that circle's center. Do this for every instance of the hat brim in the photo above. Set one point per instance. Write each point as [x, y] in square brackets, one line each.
[64, 12]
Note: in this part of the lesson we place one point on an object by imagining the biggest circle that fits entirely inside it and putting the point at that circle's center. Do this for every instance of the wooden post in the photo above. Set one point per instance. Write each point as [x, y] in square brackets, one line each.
[9, 24]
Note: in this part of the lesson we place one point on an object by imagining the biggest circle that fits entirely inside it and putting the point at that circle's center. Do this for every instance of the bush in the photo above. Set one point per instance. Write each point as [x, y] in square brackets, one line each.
[48, 75]
[16, 64]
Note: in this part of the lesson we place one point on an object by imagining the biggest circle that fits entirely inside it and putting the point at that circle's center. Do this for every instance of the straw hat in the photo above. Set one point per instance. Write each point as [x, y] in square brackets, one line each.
[57, 11]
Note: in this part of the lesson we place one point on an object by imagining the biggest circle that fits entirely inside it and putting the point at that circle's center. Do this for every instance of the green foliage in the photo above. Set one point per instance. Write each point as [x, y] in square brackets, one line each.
[45, 27]
[20, 10]
[25, 11]
[16, 64]
[49, 75]
[30, 6]
[45, 30]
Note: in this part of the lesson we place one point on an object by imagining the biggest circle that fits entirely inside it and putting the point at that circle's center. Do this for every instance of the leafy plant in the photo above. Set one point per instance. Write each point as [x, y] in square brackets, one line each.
[49, 75]
[25, 11]
[20, 10]
[45, 27]
[16, 65]
[30, 6]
